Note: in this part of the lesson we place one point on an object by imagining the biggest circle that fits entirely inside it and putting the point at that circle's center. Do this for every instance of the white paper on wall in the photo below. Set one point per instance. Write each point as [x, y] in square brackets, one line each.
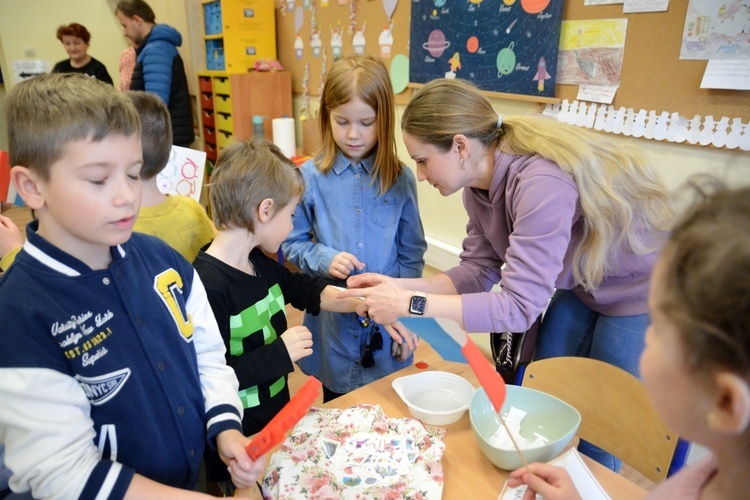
[727, 74]
[596, 93]
[724, 132]
[183, 173]
[633, 6]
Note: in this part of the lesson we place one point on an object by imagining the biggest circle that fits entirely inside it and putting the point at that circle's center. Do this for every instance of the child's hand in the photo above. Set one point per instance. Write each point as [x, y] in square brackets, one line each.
[253, 492]
[552, 482]
[10, 236]
[400, 352]
[402, 335]
[231, 446]
[343, 264]
[298, 341]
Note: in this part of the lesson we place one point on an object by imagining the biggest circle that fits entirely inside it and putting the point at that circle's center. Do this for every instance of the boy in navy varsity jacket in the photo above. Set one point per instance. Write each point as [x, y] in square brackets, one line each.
[254, 192]
[112, 370]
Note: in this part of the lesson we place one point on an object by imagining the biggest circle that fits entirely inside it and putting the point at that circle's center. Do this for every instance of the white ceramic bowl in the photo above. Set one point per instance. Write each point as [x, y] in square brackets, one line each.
[435, 397]
[546, 415]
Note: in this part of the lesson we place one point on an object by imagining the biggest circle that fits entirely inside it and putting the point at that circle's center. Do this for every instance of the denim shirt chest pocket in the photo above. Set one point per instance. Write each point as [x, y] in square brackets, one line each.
[386, 210]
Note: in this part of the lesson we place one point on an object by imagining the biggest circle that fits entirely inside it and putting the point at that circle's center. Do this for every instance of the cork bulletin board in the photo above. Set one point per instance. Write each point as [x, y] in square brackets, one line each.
[653, 76]
[369, 15]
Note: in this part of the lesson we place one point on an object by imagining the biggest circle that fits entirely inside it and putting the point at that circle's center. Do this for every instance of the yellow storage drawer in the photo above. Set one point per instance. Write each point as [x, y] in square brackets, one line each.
[223, 138]
[224, 122]
[223, 103]
[222, 85]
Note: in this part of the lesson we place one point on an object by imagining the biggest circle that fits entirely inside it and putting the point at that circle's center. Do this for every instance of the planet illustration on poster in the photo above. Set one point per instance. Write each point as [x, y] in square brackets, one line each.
[496, 44]
[506, 60]
[436, 43]
[534, 6]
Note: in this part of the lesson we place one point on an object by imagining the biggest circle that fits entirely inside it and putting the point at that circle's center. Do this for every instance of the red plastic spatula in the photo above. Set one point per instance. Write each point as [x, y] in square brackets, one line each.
[275, 430]
[492, 382]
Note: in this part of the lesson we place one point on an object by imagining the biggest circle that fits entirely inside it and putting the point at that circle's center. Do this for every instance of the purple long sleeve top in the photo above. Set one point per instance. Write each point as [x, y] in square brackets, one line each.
[530, 220]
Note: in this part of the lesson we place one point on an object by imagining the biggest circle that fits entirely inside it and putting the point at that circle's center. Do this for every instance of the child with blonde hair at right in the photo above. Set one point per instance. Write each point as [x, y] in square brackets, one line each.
[696, 365]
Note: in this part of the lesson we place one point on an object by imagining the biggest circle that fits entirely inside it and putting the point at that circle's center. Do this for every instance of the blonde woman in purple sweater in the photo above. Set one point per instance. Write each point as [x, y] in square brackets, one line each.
[554, 211]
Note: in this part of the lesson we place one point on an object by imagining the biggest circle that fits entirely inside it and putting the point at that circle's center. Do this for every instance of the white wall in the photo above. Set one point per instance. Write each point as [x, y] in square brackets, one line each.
[32, 24]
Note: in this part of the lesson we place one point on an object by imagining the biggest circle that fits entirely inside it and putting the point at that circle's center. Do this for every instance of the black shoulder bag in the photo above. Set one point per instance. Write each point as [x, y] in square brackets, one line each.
[512, 349]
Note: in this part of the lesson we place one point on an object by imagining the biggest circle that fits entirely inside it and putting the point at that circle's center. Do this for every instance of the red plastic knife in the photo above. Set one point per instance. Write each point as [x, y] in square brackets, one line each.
[488, 377]
[275, 430]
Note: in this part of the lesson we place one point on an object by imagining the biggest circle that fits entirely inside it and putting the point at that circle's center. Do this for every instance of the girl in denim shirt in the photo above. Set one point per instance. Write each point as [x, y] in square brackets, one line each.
[359, 212]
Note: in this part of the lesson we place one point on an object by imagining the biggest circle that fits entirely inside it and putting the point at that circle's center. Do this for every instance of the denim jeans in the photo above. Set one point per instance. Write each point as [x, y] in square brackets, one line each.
[570, 328]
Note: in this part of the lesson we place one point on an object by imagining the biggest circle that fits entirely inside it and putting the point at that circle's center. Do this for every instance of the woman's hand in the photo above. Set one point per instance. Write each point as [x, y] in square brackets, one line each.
[365, 280]
[552, 482]
[385, 302]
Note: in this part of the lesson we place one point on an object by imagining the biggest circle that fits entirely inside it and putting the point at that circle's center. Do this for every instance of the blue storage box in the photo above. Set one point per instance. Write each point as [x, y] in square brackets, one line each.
[215, 55]
[212, 18]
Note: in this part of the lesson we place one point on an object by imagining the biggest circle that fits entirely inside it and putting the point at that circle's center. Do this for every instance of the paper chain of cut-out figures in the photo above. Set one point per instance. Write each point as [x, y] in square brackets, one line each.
[665, 126]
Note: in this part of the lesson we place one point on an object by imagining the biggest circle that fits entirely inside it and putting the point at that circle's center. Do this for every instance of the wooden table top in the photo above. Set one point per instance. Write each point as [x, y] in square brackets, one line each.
[468, 472]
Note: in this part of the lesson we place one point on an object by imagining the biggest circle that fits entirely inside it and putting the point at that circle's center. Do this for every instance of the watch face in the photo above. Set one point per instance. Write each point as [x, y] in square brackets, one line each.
[417, 305]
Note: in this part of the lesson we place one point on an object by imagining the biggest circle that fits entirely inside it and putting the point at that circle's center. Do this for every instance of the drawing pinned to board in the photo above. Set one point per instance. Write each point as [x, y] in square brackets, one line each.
[385, 40]
[390, 7]
[497, 44]
[352, 17]
[315, 41]
[299, 20]
[358, 40]
[716, 29]
[336, 41]
[591, 52]
[399, 73]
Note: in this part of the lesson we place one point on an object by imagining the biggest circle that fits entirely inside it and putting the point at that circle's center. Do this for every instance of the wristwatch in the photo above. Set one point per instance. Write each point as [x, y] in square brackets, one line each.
[417, 303]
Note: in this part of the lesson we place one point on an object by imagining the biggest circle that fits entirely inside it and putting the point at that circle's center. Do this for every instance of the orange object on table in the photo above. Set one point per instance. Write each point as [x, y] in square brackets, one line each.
[275, 430]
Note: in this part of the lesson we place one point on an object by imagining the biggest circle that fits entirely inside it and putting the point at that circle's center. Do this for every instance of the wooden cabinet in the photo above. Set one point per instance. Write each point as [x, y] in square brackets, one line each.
[230, 100]
[238, 32]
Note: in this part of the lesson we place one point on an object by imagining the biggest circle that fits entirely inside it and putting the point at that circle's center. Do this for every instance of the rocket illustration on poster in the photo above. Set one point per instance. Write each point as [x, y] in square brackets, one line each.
[501, 45]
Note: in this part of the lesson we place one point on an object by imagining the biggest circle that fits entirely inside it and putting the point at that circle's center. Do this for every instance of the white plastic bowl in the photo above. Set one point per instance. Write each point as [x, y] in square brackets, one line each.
[546, 415]
[435, 397]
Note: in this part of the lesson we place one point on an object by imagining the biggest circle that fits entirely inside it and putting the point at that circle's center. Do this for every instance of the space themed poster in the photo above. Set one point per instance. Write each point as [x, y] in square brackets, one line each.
[501, 45]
